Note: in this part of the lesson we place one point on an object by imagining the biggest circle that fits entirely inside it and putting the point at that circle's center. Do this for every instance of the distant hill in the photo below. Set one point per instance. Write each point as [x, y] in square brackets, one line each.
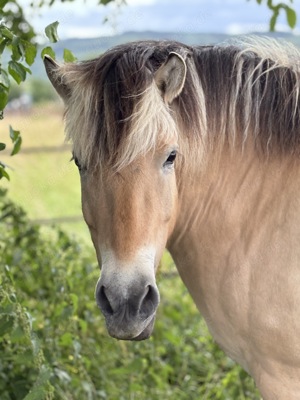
[88, 48]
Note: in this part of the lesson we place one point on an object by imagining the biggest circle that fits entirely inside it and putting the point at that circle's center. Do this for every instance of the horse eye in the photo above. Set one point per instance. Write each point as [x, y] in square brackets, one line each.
[77, 163]
[170, 160]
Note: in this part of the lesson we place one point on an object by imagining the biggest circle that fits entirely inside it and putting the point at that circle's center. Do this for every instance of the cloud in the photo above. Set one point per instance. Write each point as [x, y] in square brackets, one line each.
[241, 29]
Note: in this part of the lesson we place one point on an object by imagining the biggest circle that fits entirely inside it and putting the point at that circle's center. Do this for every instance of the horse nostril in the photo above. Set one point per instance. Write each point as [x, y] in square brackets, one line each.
[103, 302]
[150, 301]
[141, 302]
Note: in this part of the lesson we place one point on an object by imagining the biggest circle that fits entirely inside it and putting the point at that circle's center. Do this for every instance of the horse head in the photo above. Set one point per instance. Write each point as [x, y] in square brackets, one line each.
[128, 180]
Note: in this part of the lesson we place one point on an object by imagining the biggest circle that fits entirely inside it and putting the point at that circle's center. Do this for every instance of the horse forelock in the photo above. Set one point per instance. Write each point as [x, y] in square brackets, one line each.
[232, 94]
[116, 112]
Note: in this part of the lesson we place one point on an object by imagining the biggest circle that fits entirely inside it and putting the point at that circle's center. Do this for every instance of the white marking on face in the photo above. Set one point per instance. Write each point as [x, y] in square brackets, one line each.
[120, 274]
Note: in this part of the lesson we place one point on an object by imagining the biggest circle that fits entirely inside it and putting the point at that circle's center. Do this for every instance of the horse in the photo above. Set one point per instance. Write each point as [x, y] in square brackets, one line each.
[195, 149]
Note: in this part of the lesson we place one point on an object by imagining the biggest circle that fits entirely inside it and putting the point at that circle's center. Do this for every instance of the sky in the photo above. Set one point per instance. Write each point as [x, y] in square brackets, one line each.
[82, 19]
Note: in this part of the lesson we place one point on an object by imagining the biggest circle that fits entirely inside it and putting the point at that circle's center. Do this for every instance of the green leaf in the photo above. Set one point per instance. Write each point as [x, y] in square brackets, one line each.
[17, 49]
[291, 16]
[16, 139]
[48, 51]
[51, 32]
[69, 56]
[37, 393]
[66, 339]
[2, 146]
[4, 80]
[3, 44]
[17, 71]
[17, 146]
[83, 325]
[74, 300]
[105, 2]
[2, 3]
[30, 51]
[13, 134]
[3, 97]
[8, 274]
[3, 173]
[6, 32]
[6, 323]
[273, 21]
[26, 356]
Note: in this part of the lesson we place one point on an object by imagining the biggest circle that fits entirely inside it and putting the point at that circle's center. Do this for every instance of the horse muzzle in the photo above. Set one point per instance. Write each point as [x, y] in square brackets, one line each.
[130, 310]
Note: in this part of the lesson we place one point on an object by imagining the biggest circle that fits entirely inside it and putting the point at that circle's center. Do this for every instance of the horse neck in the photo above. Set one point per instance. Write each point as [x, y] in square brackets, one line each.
[236, 198]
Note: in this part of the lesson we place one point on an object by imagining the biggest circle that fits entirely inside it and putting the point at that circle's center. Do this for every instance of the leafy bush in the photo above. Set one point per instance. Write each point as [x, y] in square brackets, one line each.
[54, 345]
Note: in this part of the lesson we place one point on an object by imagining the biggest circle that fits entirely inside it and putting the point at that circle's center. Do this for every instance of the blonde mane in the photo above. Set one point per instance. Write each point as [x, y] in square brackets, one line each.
[233, 92]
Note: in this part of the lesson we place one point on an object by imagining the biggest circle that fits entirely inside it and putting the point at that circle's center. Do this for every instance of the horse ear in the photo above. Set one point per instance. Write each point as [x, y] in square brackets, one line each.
[170, 77]
[55, 77]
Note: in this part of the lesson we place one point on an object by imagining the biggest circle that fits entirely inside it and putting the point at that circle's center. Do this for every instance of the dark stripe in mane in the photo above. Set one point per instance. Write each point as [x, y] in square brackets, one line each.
[266, 99]
[232, 94]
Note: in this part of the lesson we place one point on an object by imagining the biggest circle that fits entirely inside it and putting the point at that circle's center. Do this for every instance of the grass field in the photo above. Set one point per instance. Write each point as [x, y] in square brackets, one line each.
[45, 183]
